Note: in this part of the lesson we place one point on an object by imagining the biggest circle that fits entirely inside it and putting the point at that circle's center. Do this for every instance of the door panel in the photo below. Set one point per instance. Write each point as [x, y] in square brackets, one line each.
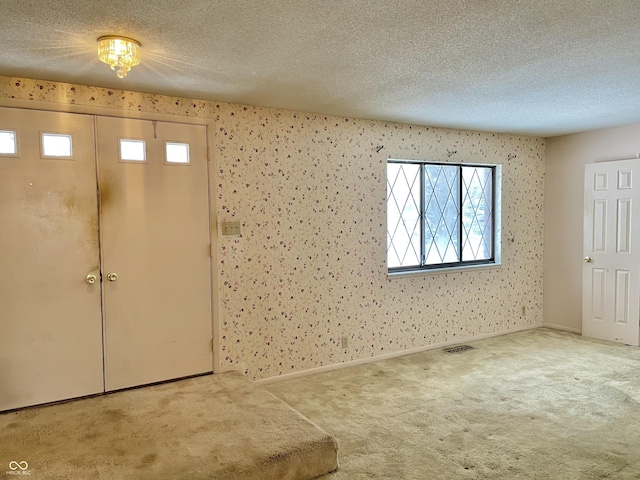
[611, 275]
[155, 237]
[50, 320]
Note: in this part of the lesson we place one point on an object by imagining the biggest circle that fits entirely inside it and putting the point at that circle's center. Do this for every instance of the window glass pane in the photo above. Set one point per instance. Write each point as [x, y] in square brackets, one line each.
[442, 214]
[56, 145]
[177, 152]
[477, 214]
[8, 142]
[403, 215]
[132, 150]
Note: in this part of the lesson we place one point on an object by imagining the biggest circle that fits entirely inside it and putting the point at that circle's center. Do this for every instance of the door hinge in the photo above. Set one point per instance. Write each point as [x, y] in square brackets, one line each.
[213, 347]
[208, 153]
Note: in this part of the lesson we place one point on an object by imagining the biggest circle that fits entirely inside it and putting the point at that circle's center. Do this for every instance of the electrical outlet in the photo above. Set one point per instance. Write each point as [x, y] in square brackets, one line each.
[230, 228]
[345, 342]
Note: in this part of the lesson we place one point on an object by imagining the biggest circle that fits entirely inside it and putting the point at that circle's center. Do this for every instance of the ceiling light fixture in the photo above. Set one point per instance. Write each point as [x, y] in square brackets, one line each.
[120, 52]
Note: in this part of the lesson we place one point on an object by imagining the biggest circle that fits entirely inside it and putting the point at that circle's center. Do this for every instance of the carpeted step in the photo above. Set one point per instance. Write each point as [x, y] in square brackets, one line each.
[216, 427]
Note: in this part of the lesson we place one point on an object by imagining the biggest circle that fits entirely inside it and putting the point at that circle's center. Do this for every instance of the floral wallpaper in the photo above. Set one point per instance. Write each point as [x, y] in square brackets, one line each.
[65, 93]
[310, 265]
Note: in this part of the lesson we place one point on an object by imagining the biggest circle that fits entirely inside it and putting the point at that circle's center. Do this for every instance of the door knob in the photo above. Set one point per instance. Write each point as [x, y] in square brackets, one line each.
[91, 279]
[586, 259]
[112, 277]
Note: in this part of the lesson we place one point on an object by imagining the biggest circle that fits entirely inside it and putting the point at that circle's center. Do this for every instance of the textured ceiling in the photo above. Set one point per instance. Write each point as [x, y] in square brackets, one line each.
[539, 67]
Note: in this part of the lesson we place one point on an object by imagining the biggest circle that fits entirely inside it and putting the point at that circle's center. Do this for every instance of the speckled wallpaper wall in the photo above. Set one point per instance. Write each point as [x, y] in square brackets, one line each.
[310, 265]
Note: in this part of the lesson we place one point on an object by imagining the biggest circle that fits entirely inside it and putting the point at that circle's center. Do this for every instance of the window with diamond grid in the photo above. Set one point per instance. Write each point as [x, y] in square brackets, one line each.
[440, 215]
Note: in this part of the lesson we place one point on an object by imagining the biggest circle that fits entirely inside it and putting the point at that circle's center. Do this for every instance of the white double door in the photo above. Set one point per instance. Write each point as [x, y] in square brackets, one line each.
[105, 276]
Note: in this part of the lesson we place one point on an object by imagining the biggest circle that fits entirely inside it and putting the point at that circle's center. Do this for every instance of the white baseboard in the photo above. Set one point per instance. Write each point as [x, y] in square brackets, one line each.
[563, 328]
[387, 356]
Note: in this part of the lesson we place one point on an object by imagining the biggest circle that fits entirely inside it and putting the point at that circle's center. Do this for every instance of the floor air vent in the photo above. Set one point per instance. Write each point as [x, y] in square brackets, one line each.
[459, 348]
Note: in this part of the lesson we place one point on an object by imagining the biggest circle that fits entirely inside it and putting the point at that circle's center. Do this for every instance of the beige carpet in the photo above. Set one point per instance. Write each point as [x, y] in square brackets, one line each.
[534, 405]
[219, 427]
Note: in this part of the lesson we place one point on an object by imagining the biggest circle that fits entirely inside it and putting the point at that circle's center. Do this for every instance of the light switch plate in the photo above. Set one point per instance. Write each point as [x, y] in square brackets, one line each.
[230, 228]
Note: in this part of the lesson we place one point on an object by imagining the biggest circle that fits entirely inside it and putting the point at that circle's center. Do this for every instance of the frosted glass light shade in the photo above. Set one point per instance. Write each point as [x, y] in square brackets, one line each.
[120, 53]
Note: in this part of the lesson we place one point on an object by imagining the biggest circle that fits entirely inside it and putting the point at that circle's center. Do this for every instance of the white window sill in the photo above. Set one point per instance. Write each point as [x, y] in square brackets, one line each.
[438, 271]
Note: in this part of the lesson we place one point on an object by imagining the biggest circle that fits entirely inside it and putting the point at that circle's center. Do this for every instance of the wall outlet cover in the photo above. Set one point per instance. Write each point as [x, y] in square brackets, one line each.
[230, 228]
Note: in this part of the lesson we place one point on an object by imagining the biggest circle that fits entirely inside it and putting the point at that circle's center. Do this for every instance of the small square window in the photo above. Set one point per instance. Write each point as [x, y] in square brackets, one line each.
[132, 150]
[56, 145]
[177, 152]
[8, 142]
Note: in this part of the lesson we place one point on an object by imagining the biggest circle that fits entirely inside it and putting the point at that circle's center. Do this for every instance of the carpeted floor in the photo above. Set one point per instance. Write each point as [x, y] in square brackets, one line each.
[536, 405]
[221, 427]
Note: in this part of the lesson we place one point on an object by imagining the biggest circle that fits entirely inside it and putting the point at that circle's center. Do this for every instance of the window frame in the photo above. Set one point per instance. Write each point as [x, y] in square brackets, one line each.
[15, 132]
[144, 161]
[166, 153]
[44, 156]
[496, 199]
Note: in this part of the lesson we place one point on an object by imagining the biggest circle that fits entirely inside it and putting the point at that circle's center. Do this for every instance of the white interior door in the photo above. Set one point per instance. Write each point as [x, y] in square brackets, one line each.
[50, 319]
[611, 275]
[155, 250]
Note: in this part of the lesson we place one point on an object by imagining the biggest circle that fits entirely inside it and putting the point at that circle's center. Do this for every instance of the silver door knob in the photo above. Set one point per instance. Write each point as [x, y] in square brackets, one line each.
[586, 259]
[91, 279]
[112, 277]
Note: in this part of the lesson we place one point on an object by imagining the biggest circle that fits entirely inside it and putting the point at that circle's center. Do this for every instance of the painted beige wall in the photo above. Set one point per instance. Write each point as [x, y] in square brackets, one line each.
[565, 160]
[309, 268]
